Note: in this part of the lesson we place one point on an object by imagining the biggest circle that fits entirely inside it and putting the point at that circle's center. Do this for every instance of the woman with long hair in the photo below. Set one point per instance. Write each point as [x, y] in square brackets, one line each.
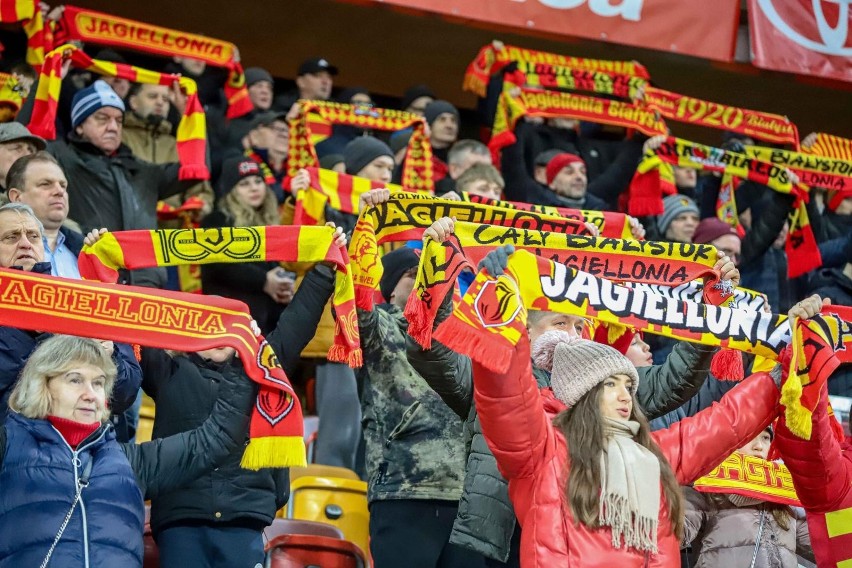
[71, 494]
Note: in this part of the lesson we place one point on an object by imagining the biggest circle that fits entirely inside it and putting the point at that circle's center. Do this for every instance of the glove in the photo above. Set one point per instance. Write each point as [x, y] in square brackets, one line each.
[495, 262]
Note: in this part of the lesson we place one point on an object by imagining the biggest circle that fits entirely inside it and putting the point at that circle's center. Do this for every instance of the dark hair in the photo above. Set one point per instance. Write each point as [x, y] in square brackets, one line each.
[462, 147]
[584, 432]
[17, 173]
[24, 69]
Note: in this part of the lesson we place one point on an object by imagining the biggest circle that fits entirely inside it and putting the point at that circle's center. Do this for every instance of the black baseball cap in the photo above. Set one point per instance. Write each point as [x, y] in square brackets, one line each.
[316, 65]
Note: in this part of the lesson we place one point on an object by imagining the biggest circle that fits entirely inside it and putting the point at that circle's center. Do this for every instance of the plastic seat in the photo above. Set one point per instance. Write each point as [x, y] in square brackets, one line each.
[299, 526]
[309, 551]
[316, 470]
[333, 500]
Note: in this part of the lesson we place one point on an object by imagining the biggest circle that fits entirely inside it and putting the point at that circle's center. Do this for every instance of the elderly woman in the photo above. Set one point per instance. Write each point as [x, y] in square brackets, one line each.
[71, 494]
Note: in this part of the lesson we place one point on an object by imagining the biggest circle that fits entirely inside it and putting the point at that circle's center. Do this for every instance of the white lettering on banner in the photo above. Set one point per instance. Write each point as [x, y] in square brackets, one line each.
[833, 38]
[627, 9]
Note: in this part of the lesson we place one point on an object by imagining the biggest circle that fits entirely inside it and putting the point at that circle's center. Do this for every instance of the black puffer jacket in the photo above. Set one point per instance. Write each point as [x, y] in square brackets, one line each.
[185, 389]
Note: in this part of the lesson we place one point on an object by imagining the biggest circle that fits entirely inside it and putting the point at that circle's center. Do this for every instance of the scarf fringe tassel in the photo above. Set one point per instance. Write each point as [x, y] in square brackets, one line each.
[274, 451]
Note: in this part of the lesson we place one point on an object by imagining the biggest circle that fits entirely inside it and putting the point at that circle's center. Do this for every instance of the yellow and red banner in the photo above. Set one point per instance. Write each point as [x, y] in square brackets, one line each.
[753, 477]
[556, 77]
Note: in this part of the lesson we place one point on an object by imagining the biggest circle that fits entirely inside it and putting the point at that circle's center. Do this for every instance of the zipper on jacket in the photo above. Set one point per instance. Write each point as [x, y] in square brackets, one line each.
[407, 418]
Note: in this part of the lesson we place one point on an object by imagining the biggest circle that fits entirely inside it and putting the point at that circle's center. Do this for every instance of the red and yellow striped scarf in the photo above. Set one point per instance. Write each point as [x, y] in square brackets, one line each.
[91, 27]
[315, 122]
[191, 132]
[557, 77]
[166, 320]
[39, 36]
[341, 192]
[176, 247]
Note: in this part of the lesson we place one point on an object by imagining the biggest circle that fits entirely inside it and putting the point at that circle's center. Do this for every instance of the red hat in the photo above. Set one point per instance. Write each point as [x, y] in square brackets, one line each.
[710, 229]
[559, 161]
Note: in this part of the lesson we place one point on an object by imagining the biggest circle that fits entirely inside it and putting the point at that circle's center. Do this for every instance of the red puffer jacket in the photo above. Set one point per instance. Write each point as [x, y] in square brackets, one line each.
[533, 456]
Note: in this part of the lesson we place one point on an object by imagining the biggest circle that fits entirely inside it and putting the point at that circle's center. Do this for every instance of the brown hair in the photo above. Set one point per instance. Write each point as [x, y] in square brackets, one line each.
[17, 176]
[244, 216]
[583, 430]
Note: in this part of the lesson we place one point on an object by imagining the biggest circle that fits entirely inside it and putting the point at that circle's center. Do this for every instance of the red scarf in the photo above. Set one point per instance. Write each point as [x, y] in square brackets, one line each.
[72, 431]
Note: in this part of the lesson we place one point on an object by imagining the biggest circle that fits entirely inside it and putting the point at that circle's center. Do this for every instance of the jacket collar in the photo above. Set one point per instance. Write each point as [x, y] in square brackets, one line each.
[136, 122]
[43, 430]
[38, 268]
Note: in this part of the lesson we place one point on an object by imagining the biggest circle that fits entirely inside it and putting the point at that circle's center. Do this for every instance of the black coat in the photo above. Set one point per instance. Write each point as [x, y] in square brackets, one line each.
[832, 283]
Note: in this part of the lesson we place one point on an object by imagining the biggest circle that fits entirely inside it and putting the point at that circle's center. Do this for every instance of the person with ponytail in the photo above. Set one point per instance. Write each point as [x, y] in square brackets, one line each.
[591, 485]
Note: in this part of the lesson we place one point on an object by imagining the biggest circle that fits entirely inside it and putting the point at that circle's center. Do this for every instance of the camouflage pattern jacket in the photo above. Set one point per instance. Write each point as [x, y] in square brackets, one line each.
[414, 442]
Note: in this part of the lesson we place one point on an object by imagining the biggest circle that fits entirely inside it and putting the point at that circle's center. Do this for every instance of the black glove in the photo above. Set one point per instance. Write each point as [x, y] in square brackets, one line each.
[734, 145]
[495, 262]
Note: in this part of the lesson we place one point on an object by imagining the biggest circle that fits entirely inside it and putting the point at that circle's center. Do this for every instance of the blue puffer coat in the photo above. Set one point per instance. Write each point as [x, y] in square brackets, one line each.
[106, 527]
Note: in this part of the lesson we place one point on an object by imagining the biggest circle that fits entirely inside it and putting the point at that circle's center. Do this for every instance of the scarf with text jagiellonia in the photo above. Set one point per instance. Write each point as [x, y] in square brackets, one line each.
[772, 128]
[166, 320]
[610, 224]
[491, 318]
[192, 129]
[752, 477]
[516, 102]
[405, 216]
[557, 77]
[91, 27]
[645, 262]
[491, 60]
[176, 247]
[341, 192]
[315, 121]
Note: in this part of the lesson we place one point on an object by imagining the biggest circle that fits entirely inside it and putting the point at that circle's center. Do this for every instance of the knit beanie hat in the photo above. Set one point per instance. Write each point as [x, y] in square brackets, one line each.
[233, 170]
[710, 229]
[360, 152]
[674, 205]
[89, 100]
[414, 93]
[559, 161]
[437, 108]
[395, 264]
[256, 75]
[578, 365]
[328, 161]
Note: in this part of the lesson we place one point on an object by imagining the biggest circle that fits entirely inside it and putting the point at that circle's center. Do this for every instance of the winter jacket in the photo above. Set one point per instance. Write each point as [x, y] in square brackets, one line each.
[414, 443]
[711, 391]
[243, 282]
[185, 389]
[486, 519]
[727, 534]
[39, 473]
[16, 345]
[532, 454]
[833, 283]
[154, 143]
[821, 469]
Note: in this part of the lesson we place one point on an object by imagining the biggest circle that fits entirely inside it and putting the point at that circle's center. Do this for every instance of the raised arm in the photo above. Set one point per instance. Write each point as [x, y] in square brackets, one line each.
[128, 380]
[666, 387]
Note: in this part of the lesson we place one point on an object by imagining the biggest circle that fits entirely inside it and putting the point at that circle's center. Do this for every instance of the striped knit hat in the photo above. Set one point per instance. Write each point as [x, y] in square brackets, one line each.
[94, 97]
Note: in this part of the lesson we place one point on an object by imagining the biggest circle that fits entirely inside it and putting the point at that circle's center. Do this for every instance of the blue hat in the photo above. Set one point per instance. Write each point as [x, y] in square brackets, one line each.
[92, 98]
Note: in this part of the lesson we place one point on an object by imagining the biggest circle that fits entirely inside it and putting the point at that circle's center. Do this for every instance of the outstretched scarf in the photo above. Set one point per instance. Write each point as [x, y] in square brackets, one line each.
[820, 171]
[752, 477]
[831, 146]
[610, 224]
[166, 320]
[668, 264]
[175, 247]
[39, 36]
[491, 60]
[315, 122]
[405, 216]
[772, 128]
[557, 77]
[191, 132]
[341, 192]
[491, 318]
[91, 27]
[554, 104]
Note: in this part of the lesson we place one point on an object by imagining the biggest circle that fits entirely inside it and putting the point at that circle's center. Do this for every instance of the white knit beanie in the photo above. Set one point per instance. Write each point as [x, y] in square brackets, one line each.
[578, 365]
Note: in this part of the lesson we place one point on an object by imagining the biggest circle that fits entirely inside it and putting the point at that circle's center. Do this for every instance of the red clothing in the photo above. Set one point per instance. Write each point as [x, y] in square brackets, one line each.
[533, 456]
[821, 469]
[73, 432]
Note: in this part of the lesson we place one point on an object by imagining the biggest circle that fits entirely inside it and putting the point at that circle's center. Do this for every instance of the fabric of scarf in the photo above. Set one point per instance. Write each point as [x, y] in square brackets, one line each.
[491, 60]
[765, 126]
[328, 188]
[91, 27]
[12, 11]
[175, 247]
[726, 204]
[405, 216]
[191, 131]
[831, 146]
[188, 275]
[511, 106]
[610, 224]
[669, 264]
[315, 121]
[749, 477]
[10, 97]
[166, 320]
[630, 487]
[556, 77]
[813, 170]
[492, 315]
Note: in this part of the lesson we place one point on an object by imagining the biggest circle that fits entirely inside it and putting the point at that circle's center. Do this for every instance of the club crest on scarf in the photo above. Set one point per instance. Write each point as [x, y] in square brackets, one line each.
[193, 245]
[498, 303]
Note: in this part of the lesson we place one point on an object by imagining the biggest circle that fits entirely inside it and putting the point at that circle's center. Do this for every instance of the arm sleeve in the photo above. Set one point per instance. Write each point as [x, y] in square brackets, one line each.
[128, 380]
[695, 514]
[298, 322]
[835, 253]
[156, 368]
[169, 463]
[663, 388]
[694, 446]
[512, 415]
[711, 391]
[168, 181]
[766, 227]
[612, 182]
[520, 185]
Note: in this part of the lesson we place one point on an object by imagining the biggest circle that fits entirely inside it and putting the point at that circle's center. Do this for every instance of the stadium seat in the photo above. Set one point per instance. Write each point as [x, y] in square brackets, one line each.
[333, 500]
[312, 551]
[298, 526]
[320, 470]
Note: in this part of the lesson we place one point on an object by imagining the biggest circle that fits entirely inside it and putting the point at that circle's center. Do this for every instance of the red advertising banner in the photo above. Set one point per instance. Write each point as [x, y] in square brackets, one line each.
[690, 27]
[809, 37]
